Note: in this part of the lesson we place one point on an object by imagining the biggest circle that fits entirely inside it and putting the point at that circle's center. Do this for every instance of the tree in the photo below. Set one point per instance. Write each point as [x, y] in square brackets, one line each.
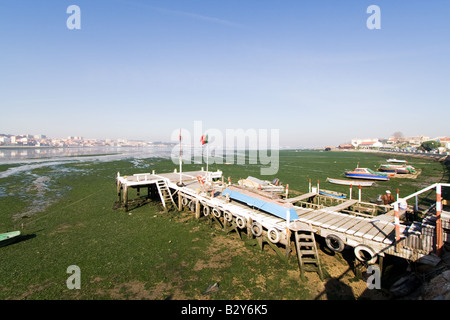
[430, 145]
[398, 135]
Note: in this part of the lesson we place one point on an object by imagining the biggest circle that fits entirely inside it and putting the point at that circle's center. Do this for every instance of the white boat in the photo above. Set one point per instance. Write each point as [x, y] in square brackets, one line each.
[396, 161]
[255, 183]
[351, 182]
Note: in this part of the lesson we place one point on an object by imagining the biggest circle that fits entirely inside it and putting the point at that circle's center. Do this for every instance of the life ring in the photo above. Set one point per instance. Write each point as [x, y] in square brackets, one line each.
[365, 254]
[185, 201]
[192, 205]
[257, 229]
[334, 243]
[240, 222]
[273, 235]
[216, 212]
[228, 216]
[206, 211]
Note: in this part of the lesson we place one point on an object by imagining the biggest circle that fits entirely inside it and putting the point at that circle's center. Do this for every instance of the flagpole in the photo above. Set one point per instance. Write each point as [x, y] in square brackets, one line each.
[181, 161]
[207, 162]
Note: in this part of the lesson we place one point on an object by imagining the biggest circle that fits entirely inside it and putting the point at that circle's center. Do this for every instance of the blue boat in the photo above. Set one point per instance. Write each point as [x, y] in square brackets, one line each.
[366, 173]
[334, 194]
[257, 201]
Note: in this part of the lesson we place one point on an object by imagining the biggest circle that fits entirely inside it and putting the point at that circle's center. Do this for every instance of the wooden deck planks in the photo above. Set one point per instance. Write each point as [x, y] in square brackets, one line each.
[362, 223]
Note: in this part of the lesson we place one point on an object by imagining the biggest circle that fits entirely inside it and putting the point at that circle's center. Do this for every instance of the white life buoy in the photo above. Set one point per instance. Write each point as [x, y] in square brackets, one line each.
[365, 254]
[273, 234]
[334, 243]
[185, 201]
[257, 229]
[228, 216]
[216, 212]
[240, 222]
[206, 210]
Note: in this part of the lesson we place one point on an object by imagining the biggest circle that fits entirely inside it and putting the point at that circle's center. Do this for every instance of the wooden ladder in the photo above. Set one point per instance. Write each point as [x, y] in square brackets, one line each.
[307, 250]
[164, 193]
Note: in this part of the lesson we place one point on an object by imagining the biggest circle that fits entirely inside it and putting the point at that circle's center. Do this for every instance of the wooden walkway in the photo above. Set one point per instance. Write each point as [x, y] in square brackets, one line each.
[377, 232]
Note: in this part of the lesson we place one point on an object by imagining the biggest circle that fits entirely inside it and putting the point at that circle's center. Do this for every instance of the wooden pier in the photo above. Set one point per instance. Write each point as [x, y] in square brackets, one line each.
[343, 223]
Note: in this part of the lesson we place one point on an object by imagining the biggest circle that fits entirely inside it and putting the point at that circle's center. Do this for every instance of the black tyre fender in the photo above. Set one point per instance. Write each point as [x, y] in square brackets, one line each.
[257, 229]
[334, 243]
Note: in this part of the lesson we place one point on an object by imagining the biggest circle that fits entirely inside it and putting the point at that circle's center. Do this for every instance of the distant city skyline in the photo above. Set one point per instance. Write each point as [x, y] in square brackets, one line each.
[140, 70]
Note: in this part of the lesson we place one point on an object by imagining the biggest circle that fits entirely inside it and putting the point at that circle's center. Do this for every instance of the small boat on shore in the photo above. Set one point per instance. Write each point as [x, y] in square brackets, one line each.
[366, 173]
[402, 169]
[255, 183]
[351, 182]
[396, 161]
[8, 237]
[334, 194]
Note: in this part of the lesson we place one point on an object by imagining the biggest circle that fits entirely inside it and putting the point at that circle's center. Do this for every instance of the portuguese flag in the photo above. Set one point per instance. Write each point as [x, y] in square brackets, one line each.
[204, 139]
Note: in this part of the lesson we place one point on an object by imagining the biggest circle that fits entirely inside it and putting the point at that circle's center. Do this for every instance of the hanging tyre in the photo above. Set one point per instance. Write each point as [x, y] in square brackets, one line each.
[365, 254]
[192, 205]
[216, 212]
[240, 222]
[185, 201]
[228, 216]
[257, 229]
[274, 235]
[334, 243]
[206, 211]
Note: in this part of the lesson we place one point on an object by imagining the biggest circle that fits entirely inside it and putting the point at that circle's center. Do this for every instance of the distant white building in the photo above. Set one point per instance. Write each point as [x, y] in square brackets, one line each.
[366, 143]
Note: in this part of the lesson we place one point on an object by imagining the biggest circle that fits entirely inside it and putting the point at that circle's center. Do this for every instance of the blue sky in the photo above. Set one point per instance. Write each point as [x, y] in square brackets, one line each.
[141, 69]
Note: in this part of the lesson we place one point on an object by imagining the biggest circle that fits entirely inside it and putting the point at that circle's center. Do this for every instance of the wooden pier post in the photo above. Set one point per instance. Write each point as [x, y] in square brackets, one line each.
[351, 191]
[119, 195]
[180, 202]
[288, 234]
[438, 220]
[249, 228]
[125, 196]
[197, 208]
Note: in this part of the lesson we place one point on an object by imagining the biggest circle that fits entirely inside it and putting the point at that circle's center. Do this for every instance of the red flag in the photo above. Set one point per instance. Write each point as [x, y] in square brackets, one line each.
[204, 139]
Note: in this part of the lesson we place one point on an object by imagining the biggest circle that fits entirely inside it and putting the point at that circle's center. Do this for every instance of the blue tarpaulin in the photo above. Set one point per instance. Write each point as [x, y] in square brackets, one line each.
[266, 206]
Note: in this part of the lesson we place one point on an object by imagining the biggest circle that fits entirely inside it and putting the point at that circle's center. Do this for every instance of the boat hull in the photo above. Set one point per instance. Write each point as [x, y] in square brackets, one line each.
[8, 238]
[351, 182]
[366, 176]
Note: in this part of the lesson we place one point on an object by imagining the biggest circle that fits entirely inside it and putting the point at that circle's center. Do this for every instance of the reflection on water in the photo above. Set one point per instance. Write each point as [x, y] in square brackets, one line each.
[8, 155]
[29, 159]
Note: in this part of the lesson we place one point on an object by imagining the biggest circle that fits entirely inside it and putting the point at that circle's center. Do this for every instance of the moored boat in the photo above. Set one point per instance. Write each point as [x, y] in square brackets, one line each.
[396, 161]
[255, 183]
[366, 173]
[402, 169]
[8, 237]
[334, 194]
[351, 182]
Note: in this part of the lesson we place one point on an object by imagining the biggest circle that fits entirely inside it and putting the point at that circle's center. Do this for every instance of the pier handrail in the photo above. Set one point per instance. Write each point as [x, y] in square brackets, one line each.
[438, 186]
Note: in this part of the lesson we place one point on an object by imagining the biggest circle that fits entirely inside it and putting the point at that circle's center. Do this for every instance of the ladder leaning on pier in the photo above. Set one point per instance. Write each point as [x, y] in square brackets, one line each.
[306, 247]
[164, 193]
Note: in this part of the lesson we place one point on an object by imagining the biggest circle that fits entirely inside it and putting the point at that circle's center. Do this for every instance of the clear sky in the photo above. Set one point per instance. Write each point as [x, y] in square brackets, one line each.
[141, 69]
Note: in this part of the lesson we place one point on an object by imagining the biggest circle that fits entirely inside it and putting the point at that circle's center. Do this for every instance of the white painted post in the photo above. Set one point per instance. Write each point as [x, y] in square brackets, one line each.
[359, 195]
[397, 227]
[309, 189]
[351, 191]
[438, 220]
